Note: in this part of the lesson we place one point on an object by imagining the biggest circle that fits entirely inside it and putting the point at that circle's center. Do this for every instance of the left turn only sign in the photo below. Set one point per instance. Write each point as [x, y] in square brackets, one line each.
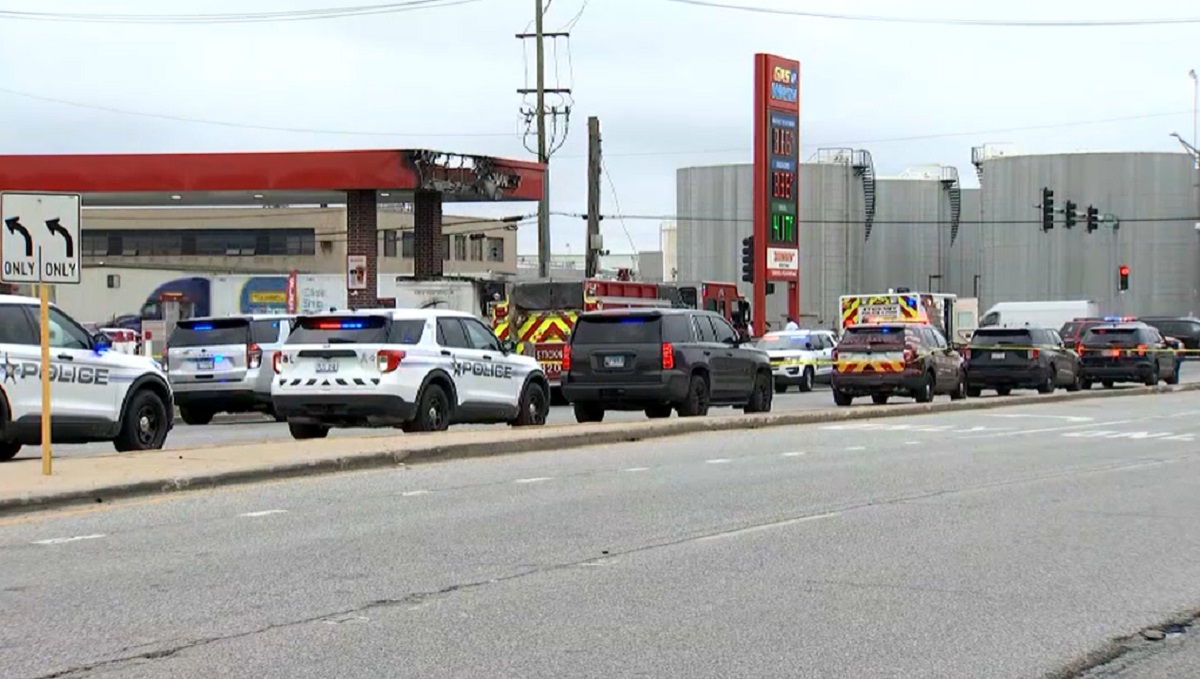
[39, 240]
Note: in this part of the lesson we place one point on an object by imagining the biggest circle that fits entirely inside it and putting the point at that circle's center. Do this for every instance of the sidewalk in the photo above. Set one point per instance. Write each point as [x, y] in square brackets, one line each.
[90, 480]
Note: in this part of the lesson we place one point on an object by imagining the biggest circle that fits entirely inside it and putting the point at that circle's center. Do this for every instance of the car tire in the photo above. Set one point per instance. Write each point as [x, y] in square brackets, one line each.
[696, 402]
[588, 413]
[195, 417]
[960, 391]
[1174, 378]
[841, 398]
[1003, 391]
[1108, 384]
[303, 431]
[275, 415]
[761, 396]
[880, 399]
[9, 450]
[658, 412]
[927, 389]
[1152, 380]
[1085, 385]
[534, 406]
[144, 424]
[807, 379]
[1076, 383]
[433, 411]
[780, 387]
[974, 392]
[1048, 386]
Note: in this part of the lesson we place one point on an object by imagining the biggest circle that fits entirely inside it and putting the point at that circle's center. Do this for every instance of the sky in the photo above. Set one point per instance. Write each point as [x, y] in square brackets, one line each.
[671, 84]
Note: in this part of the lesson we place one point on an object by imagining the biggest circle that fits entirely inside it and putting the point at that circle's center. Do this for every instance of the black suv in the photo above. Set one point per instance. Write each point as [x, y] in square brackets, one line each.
[889, 359]
[1020, 358]
[1127, 352]
[1186, 330]
[658, 360]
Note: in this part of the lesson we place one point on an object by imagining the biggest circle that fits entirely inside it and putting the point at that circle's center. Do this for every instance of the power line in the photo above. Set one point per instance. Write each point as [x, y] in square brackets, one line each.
[617, 203]
[575, 19]
[235, 18]
[245, 126]
[996, 23]
[904, 222]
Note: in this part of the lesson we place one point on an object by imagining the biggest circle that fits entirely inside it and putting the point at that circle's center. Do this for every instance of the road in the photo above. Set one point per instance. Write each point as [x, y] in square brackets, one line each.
[254, 429]
[1176, 655]
[996, 543]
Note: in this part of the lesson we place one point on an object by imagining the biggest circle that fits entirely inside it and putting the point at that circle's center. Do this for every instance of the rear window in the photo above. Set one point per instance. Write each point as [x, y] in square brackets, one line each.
[874, 334]
[1176, 327]
[618, 330]
[210, 333]
[1106, 336]
[990, 337]
[356, 330]
[785, 342]
[266, 331]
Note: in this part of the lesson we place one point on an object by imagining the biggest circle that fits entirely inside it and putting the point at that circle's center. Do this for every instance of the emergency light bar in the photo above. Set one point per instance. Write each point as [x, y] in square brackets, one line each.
[340, 325]
[202, 326]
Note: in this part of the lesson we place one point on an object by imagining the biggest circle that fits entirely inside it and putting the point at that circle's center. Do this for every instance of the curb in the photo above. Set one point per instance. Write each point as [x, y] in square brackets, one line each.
[611, 434]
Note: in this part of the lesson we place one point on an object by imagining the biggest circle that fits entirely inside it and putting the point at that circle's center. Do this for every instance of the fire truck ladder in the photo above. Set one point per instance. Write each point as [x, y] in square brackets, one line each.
[864, 166]
[952, 186]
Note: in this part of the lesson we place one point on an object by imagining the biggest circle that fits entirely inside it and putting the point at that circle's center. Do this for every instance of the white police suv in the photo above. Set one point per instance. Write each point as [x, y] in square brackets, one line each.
[417, 369]
[95, 394]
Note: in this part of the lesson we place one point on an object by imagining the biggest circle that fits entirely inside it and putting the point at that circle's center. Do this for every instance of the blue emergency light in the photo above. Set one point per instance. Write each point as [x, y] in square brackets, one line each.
[341, 325]
[202, 326]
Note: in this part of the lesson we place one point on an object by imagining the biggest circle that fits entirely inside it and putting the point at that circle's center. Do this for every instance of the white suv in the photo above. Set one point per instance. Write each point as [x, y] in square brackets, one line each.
[96, 394]
[417, 369]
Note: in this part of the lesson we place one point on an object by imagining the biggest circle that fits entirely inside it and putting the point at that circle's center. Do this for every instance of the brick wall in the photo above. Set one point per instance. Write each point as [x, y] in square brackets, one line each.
[362, 239]
[427, 236]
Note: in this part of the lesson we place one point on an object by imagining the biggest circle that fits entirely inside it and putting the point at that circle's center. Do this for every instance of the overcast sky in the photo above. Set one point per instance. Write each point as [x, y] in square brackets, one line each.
[671, 84]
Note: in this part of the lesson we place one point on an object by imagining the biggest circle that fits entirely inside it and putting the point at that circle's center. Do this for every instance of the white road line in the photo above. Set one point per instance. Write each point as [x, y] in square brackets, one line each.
[1022, 432]
[792, 454]
[77, 538]
[912, 443]
[767, 526]
[265, 512]
[1068, 418]
[856, 448]
[636, 469]
[719, 460]
[414, 493]
[536, 479]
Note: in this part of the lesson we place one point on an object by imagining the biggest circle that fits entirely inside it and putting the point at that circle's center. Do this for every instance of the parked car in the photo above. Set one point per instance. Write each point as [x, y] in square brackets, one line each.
[799, 358]
[896, 359]
[1127, 352]
[1020, 358]
[659, 360]
[1184, 329]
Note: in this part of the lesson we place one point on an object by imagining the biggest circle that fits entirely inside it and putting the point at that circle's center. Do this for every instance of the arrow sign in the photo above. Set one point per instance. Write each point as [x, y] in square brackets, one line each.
[15, 227]
[55, 226]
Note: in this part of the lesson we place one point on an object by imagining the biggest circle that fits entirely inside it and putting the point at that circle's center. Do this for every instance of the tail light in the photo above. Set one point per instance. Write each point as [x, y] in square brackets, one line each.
[1079, 348]
[566, 362]
[275, 361]
[668, 356]
[254, 356]
[388, 360]
[1141, 349]
[1034, 353]
[833, 355]
[910, 354]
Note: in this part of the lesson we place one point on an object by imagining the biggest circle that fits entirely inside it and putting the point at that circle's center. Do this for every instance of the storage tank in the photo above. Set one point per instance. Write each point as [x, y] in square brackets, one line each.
[1152, 194]
[914, 223]
[715, 212]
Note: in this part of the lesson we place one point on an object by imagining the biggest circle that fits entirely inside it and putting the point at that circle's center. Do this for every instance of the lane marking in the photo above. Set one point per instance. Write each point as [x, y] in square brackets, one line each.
[414, 493]
[636, 469]
[536, 479]
[265, 512]
[912, 443]
[1068, 418]
[719, 460]
[1022, 432]
[856, 448]
[767, 526]
[60, 541]
[792, 454]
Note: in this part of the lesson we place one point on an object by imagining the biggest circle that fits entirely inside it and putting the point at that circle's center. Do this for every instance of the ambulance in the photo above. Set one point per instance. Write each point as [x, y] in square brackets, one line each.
[955, 318]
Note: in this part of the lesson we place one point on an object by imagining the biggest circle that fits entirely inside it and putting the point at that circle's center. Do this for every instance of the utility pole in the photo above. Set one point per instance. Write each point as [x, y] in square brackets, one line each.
[592, 243]
[546, 144]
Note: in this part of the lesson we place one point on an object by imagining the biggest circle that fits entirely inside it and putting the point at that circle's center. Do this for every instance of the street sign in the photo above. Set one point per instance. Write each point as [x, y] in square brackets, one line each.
[40, 238]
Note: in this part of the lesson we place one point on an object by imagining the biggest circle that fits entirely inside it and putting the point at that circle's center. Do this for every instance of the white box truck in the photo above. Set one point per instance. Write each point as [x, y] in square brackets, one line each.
[1043, 314]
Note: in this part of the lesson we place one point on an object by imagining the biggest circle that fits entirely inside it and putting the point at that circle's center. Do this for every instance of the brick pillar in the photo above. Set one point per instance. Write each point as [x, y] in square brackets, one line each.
[362, 238]
[427, 237]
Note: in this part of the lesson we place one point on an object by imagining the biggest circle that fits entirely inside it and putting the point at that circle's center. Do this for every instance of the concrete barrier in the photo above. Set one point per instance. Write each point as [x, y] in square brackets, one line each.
[94, 480]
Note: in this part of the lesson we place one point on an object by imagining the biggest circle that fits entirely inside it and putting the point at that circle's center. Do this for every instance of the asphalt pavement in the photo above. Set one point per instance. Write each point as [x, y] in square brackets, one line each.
[994, 543]
[226, 430]
[1172, 654]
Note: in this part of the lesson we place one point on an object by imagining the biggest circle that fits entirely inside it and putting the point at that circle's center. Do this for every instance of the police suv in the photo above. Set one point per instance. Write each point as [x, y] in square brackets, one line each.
[416, 369]
[96, 394]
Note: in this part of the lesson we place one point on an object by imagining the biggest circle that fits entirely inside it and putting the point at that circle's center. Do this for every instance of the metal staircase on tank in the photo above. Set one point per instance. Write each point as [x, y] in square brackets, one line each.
[951, 185]
[864, 166]
[978, 155]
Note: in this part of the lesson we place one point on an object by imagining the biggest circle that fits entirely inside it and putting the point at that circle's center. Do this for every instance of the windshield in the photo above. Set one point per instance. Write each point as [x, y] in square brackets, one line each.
[618, 330]
[356, 330]
[208, 333]
[873, 334]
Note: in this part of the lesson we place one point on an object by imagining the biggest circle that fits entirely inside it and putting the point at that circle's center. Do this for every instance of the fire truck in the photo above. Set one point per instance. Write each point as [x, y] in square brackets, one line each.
[722, 298]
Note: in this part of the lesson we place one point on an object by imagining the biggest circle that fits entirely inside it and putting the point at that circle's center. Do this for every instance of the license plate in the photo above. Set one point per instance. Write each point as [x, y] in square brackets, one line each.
[327, 367]
[204, 364]
[614, 361]
[997, 354]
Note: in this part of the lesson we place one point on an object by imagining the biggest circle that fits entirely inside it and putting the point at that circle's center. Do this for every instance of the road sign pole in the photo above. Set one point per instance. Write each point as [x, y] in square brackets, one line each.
[44, 324]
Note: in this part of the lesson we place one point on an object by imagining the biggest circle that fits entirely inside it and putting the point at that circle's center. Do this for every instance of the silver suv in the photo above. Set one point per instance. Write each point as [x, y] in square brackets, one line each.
[223, 365]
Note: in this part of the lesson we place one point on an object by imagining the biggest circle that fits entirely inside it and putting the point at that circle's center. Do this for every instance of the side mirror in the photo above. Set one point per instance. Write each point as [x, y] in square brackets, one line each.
[507, 346]
[101, 343]
[808, 346]
[733, 341]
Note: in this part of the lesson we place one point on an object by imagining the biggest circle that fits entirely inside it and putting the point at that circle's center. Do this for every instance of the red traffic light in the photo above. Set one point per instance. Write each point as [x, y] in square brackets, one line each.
[1124, 270]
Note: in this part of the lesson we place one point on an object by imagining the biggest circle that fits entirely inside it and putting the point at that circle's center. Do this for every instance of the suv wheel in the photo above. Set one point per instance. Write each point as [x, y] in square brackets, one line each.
[1153, 378]
[658, 412]
[433, 411]
[960, 391]
[924, 393]
[880, 399]
[841, 398]
[806, 380]
[780, 387]
[974, 392]
[760, 398]
[533, 407]
[589, 412]
[1077, 383]
[9, 450]
[1047, 386]
[303, 431]
[696, 403]
[144, 424]
[195, 416]
[1003, 391]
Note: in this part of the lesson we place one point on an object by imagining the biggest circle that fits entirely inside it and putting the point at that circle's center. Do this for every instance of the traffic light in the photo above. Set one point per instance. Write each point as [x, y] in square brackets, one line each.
[1047, 209]
[1093, 219]
[1069, 215]
[748, 259]
[1123, 277]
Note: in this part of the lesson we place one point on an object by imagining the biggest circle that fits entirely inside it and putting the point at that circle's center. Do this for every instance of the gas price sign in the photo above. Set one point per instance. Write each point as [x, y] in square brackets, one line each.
[783, 162]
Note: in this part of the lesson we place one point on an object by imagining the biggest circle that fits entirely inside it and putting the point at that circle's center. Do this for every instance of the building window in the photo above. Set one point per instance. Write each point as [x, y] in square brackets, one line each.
[477, 247]
[407, 245]
[495, 249]
[460, 248]
[198, 243]
[95, 244]
[445, 248]
[389, 243]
